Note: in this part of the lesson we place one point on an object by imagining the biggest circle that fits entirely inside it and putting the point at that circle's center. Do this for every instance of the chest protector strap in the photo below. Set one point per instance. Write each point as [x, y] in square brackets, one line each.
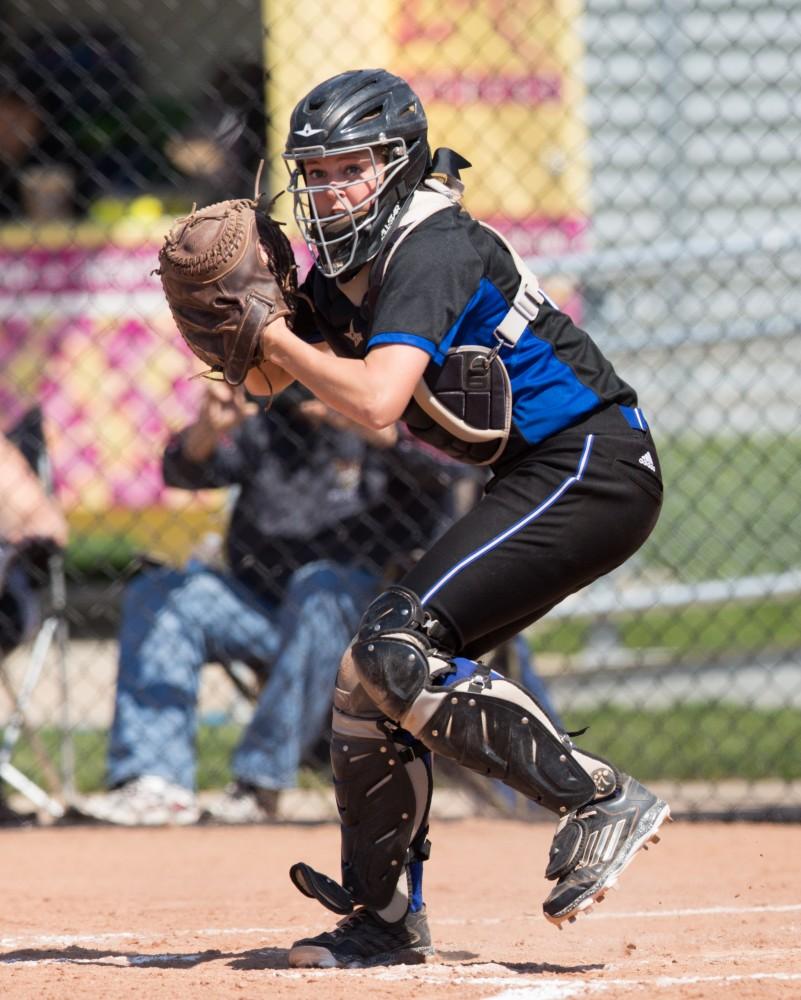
[471, 396]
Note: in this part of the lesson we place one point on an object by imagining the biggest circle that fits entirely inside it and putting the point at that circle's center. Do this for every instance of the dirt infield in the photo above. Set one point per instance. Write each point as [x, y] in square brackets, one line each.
[713, 911]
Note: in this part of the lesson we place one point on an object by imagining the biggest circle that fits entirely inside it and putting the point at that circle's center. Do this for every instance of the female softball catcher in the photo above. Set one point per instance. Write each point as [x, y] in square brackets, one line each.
[423, 314]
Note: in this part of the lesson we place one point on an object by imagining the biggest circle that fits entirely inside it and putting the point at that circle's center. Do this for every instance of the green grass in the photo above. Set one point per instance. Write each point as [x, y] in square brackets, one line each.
[704, 742]
[731, 507]
[99, 554]
[730, 510]
[215, 745]
[687, 743]
[704, 630]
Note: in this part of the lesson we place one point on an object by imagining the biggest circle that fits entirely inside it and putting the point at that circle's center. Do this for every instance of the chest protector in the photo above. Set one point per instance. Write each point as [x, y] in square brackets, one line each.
[464, 407]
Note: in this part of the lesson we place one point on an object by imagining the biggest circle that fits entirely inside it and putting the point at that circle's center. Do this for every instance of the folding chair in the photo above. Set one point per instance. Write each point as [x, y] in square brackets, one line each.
[35, 580]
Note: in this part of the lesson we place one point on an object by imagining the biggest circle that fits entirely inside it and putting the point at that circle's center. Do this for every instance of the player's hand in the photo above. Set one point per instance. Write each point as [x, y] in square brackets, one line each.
[228, 271]
[272, 335]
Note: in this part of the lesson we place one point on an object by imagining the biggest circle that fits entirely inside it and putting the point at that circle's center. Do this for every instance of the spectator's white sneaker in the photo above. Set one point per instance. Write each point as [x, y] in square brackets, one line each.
[11, 817]
[146, 801]
[242, 803]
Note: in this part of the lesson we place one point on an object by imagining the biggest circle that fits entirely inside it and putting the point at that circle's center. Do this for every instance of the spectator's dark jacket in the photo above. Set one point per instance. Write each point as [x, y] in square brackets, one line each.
[310, 493]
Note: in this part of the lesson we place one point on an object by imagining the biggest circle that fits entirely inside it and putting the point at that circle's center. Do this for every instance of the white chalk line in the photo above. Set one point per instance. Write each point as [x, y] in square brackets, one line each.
[489, 976]
[701, 911]
[564, 990]
[513, 987]
[68, 940]
[704, 911]
[106, 937]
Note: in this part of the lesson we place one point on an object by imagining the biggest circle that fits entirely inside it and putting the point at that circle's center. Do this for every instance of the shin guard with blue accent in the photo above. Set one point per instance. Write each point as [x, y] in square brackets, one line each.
[460, 709]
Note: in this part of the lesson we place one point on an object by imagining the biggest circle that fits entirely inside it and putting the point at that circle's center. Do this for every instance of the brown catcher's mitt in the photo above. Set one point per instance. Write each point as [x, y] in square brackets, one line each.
[227, 271]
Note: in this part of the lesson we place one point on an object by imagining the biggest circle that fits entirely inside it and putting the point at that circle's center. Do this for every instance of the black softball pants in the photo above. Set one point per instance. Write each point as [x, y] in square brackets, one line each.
[574, 508]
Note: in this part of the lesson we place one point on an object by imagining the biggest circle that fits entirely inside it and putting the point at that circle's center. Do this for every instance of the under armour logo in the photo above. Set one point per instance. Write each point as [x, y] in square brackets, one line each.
[308, 130]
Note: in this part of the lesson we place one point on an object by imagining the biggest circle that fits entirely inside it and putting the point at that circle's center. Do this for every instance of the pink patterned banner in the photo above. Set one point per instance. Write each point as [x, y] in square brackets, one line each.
[86, 332]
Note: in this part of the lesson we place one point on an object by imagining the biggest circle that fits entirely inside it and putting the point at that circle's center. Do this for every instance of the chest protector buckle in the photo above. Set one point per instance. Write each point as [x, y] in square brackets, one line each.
[471, 399]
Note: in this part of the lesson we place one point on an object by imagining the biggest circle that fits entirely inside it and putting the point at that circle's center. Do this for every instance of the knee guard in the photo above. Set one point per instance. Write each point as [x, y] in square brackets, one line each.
[460, 709]
[391, 651]
[382, 783]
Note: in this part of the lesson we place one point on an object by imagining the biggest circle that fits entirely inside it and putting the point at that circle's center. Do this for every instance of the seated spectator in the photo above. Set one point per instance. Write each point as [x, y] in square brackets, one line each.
[320, 511]
[221, 146]
[21, 130]
[72, 101]
[31, 525]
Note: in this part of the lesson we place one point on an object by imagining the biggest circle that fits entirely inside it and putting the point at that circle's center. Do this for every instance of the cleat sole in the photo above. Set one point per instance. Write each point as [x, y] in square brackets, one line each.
[307, 957]
[316, 957]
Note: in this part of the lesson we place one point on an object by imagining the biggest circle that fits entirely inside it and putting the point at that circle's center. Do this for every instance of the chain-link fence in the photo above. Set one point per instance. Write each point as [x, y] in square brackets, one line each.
[641, 155]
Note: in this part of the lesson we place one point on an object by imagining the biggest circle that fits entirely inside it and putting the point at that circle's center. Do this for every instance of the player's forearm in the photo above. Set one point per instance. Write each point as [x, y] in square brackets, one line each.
[381, 437]
[346, 384]
[268, 379]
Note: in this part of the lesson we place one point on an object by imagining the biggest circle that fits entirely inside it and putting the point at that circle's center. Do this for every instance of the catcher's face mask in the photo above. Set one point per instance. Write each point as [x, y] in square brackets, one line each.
[338, 198]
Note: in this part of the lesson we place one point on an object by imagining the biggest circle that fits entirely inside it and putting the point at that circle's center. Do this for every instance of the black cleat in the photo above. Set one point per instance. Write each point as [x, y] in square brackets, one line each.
[593, 845]
[362, 939]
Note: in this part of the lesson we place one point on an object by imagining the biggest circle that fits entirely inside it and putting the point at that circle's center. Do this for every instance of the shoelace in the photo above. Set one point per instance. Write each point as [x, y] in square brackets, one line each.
[349, 922]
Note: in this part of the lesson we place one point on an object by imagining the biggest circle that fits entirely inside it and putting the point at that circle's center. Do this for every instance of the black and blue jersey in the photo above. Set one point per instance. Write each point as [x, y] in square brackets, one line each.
[449, 284]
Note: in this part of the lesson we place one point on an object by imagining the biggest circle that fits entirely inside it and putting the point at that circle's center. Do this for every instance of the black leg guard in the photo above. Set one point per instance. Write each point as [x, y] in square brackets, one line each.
[503, 735]
[383, 792]
[382, 782]
[463, 711]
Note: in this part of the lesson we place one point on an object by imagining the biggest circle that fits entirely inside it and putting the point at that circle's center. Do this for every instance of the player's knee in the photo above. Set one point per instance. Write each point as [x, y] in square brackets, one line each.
[347, 678]
[350, 698]
[390, 652]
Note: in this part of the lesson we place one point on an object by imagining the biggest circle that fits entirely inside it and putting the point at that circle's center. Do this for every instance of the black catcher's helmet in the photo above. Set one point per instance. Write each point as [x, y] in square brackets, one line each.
[368, 111]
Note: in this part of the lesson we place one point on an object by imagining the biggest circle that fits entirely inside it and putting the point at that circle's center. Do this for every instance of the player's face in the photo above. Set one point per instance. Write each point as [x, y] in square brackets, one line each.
[344, 183]
[337, 198]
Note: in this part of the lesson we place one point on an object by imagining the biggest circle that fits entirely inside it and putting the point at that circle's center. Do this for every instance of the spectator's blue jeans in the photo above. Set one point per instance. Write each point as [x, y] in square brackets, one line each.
[174, 622]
